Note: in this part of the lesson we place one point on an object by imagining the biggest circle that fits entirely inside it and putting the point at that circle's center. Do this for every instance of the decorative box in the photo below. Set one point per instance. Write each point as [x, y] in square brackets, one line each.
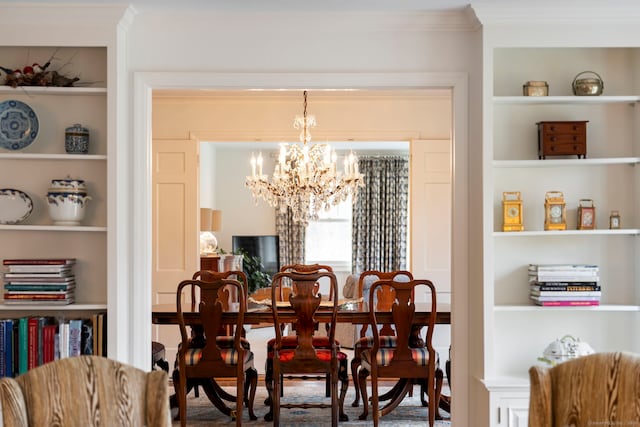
[535, 88]
[562, 139]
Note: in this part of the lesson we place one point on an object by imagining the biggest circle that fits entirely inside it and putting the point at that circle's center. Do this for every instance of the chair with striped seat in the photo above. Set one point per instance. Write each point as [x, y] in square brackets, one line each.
[208, 359]
[383, 299]
[304, 358]
[225, 336]
[412, 359]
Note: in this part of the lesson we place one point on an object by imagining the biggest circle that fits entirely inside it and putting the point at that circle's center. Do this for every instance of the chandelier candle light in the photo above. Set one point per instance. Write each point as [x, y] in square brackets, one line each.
[305, 177]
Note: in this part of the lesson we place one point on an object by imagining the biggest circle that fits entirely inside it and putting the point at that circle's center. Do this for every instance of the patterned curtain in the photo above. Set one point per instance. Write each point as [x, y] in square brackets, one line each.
[292, 235]
[380, 215]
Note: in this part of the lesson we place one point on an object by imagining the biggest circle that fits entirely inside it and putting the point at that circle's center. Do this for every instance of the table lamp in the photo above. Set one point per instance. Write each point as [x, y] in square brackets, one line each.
[210, 221]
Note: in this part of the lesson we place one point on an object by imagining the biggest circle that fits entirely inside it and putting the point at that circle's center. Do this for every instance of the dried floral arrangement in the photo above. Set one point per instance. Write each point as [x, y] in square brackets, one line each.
[37, 75]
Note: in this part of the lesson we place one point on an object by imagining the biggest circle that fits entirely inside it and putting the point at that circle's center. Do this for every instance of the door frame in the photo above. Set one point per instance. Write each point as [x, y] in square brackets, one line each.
[140, 300]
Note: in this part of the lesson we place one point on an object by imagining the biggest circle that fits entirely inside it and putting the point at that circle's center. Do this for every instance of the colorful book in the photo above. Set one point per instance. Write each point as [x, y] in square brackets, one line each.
[565, 286]
[75, 337]
[8, 345]
[32, 339]
[9, 276]
[563, 267]
[23, 344]
[3, 349]
[87, 337]
[36, 280]
[37, 269]
[38, 288]
[38, 295]
[567, 303]
[40, 261]
[567, 294]
[48, 342]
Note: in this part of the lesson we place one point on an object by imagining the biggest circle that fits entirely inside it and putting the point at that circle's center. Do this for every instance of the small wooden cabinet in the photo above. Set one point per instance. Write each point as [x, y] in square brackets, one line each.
[562, 139]
[209, 263]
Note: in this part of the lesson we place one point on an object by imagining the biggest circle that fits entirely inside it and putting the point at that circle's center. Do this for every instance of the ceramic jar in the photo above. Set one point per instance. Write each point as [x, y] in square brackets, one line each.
[76, 139]
[67, 200]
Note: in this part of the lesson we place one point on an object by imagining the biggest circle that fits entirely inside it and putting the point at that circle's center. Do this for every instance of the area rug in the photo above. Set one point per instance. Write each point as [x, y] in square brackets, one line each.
[200, 412]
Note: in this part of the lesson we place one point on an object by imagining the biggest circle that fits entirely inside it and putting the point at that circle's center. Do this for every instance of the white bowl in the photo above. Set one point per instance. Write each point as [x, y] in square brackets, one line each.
[66, 208]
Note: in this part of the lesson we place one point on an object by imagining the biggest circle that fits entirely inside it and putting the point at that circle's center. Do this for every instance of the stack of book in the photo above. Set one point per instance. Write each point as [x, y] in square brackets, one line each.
[556, 285]
[39, 281]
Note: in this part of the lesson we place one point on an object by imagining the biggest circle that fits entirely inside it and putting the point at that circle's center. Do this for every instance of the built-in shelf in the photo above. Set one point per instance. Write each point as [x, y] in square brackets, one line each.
[602, 307]
[50, 90]
[40, 156]
[551, 163]
[530, 100]
[52, 307]
[83, 228]
[561, 233]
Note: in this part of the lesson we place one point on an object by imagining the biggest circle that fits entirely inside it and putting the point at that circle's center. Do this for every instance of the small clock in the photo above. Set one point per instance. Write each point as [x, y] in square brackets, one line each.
[511, 211]
[555, 217]
[614, 220]
[586, 215]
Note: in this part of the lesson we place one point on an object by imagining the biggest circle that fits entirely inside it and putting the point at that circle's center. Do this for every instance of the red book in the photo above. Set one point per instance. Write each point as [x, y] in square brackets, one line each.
[39, 261]
[32, 340]
[567, 303]
[49, 337]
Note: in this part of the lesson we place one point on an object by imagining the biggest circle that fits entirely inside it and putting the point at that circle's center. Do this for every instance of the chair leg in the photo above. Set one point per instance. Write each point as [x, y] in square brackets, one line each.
[334, 400]
[268, 380]
[343, 376]
[251, 383]
[179, 383]
[362, 381]
[355, 364]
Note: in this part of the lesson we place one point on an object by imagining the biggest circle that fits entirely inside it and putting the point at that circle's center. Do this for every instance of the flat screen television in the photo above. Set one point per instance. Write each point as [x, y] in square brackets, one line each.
[265, 247]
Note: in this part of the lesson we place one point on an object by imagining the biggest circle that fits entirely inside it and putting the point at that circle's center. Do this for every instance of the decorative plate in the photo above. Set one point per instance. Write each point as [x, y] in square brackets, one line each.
[18, 125]
[15, 206]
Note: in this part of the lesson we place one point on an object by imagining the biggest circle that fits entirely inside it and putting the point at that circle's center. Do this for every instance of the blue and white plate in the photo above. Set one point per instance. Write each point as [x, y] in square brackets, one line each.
[18, 125]
[15, 206]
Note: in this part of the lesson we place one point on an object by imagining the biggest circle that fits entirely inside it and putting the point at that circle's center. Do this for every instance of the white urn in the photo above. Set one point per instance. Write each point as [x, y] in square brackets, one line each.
[67, 200]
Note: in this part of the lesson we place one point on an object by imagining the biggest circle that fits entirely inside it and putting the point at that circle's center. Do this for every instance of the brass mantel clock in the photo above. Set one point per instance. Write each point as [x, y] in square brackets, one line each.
[555, 211]
[512, 211]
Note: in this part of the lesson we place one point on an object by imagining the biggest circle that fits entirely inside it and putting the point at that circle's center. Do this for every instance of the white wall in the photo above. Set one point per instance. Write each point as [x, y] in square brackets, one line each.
[303, 44]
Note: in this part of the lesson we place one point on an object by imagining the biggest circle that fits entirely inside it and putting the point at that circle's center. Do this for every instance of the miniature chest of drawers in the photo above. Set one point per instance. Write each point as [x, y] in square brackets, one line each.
[562, 139]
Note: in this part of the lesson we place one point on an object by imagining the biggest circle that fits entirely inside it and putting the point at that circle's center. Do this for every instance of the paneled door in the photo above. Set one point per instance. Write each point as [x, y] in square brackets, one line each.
[175, 234]
[430, 222]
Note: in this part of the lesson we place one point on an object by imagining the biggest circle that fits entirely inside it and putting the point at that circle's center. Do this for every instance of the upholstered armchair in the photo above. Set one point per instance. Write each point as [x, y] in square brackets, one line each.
[85, 391]
[601, 389]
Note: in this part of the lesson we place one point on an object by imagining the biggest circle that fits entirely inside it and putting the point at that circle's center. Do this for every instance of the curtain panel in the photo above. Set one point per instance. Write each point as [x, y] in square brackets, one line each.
[380, 215]
[291, 235]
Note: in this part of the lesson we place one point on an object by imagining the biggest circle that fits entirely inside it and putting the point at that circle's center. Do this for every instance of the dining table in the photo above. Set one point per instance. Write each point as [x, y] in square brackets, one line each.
[355, 312]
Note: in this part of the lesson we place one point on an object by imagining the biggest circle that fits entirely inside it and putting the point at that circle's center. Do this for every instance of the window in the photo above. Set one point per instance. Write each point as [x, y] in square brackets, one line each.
[328, 240]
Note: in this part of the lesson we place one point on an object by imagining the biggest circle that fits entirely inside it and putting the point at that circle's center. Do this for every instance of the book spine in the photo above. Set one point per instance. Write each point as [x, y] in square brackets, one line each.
[40, 261]
[8, 345]
[567, 303]
[3, 345]
[565, 286]
[75, 337]
[556, 267]
[564, 298]
[32, 360]
[23, 344]
[568, 294]
[562, 278]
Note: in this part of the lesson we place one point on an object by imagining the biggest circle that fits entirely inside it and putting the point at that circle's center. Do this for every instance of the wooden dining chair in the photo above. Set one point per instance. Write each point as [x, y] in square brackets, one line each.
[305, 358]
[411, 360]
[284, 286]
[383, 299]
[225, 336]
[209, 360]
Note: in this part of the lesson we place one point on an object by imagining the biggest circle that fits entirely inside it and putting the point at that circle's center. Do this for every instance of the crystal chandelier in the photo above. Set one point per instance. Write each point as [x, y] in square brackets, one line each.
[305, 178]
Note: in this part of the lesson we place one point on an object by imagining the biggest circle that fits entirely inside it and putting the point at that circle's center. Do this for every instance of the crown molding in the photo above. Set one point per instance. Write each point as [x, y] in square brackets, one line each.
[582, 12]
